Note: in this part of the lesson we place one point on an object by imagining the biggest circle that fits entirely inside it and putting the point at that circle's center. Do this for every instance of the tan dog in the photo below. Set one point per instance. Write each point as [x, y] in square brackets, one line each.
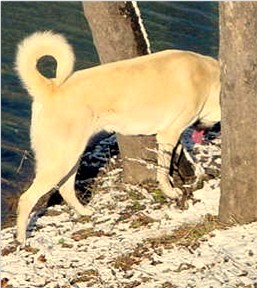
[161, 93]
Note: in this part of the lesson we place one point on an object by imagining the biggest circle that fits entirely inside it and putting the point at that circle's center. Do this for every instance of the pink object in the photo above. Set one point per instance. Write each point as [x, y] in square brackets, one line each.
[197, 136]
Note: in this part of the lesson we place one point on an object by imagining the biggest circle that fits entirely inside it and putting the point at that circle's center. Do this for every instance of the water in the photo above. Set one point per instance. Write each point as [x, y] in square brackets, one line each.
[179, 25]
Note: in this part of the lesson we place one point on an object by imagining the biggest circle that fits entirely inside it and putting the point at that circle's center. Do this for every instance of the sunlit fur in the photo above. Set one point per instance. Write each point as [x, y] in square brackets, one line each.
[162, 93]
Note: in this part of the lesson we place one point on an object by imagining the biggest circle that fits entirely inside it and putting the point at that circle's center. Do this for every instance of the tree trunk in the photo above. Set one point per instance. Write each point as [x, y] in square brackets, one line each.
[238, 54]
[118, 34]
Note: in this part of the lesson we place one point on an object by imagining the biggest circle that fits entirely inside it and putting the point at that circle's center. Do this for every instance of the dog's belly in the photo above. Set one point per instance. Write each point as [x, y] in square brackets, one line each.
[133, 129]
[133, 125]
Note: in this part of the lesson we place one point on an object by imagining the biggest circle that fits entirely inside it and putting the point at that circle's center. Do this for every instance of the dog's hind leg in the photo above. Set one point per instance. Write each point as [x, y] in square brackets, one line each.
[69, 195]
[28, 200]
[50, 171]
[167, 141]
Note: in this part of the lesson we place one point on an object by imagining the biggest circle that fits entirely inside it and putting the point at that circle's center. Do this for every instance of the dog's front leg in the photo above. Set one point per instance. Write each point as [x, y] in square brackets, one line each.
[165, 149]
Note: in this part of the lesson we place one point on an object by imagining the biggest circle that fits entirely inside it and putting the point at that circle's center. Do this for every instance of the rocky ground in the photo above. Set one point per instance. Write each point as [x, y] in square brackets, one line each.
[136, 238]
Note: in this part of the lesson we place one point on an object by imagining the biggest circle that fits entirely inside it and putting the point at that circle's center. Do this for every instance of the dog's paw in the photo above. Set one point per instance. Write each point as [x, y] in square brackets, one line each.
[20, 239]
[85, 211]
[171, 192]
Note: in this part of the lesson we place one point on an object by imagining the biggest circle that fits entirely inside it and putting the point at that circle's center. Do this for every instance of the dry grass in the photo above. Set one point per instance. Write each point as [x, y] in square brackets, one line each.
[141, 220]
[86, 233]
[168, 284]
[51, 213]
[81, 219]
[12, 247]
[126, 261]
[90, 275]
[187, 235]
[158, 196]
[131, 210]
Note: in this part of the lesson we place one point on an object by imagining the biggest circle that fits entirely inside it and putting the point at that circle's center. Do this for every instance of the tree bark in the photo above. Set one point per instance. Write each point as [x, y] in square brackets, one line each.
[117, 35]
[238, 55]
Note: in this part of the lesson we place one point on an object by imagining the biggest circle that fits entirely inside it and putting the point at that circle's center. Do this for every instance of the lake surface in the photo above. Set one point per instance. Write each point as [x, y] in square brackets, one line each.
[170, 25]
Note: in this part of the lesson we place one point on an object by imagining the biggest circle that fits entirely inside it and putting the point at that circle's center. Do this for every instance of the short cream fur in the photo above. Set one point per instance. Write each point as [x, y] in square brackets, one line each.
[161, 93]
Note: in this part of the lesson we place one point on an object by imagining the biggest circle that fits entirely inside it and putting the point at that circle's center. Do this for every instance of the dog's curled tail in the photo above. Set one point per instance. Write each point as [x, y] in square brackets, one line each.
[31, 49]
